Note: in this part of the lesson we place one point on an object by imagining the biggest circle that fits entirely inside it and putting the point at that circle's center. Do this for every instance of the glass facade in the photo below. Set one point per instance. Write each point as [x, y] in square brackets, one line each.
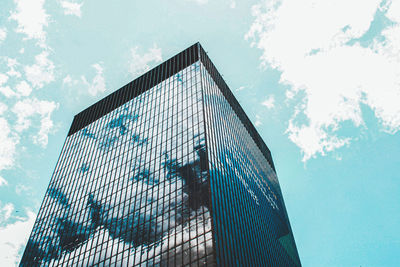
[251, 224]
[164, 172]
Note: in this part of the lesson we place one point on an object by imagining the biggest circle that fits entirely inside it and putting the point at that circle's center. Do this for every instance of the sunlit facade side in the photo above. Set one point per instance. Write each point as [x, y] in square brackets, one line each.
[152, 176]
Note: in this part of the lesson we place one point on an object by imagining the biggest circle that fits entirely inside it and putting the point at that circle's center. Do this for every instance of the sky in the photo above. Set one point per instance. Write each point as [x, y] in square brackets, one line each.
[320, 80]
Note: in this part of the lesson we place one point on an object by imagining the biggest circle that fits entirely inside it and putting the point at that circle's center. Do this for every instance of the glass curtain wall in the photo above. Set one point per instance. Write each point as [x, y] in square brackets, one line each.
[131, 187]
[167, 171]
[250, 221]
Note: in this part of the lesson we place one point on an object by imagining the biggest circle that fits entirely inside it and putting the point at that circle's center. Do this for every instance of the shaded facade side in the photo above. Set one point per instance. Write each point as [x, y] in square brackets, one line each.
[251, 227]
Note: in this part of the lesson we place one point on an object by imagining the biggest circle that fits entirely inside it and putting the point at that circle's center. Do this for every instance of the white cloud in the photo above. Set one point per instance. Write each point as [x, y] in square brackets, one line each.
[23, 88]
[3, 34]
[20, 188]
[5, 89]
[312, 139]
[31, 18]
[69, 81]
[232, 4]
[8, 141]
[3, 181]
[41, 72]
[393, 11]
[200, 2]
[258, 121]
[71, 8]
[3, 108]
[309, 42]
[13, 238]
[12, 63]
[5, 212]
[240, 88]
[98, 84]
[3, 79]
[46, 125]
[269, 103]
[139, 64]
[24, 111]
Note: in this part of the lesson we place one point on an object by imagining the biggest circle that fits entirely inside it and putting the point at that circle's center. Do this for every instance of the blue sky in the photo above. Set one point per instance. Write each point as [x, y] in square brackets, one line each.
[320, 80]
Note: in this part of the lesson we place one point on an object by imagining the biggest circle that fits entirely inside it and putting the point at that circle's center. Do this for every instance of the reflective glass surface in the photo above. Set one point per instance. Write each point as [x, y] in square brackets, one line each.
[131, 187]
[251, 226]
[175, 176]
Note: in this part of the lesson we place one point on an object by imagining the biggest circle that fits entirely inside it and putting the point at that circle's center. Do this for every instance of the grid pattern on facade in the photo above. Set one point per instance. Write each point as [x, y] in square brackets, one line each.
[148, 80]
[166, 171]
[250, 221]
[212, 71]
[131, 187]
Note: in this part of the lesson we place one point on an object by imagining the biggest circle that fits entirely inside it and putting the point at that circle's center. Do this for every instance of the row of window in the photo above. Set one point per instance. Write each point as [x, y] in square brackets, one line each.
[243, 219]
[100, 194]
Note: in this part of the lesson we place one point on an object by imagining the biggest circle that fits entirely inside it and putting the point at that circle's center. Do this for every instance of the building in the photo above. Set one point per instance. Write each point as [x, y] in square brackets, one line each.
[166, 171]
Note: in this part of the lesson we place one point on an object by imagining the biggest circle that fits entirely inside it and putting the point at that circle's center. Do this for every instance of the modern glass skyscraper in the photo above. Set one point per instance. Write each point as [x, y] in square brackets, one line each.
[166, 171]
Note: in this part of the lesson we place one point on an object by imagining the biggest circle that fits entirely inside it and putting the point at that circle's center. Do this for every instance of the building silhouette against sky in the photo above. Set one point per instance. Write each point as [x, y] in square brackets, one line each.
[166, 171]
